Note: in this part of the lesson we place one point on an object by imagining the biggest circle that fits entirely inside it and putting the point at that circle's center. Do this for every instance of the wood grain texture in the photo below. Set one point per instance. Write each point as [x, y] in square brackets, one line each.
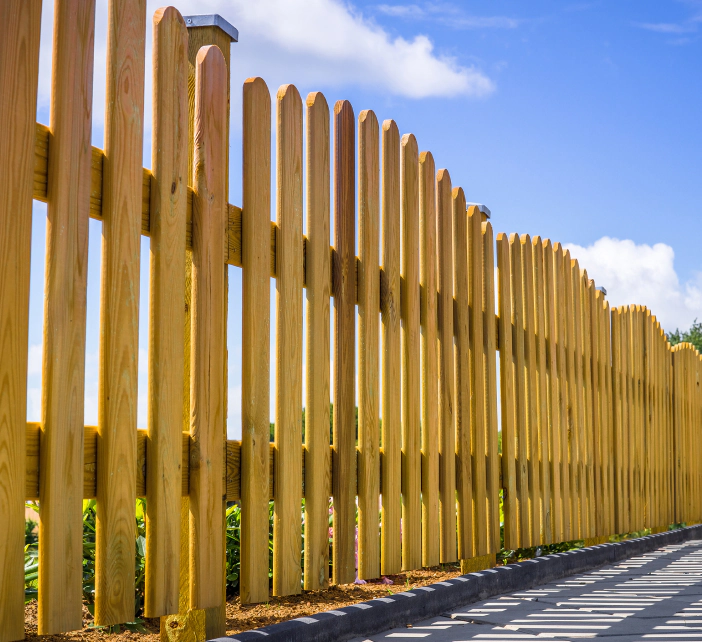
[344, 430]
[617, 414]
[166, 312]
[429, 354]
[469, 463]
[579, 397]
[552, 401]
[287, 527]
[541, 400]
[571, 397]
[208, 347]
[588, 407]
[580, 332]
[477, 370]
[608, 411]
[191, 622]
[491, 424]
[368, 343]
[255, 342]
[649, 416]
[20, 23]
[318, 269]
[61, 489]
[561, 375]
[629, 424]
[530, 394]
[599, 434]
[447, 417]
[411, 378]
[507, 394]
[391, 429]
[524, 534]
[119, 313]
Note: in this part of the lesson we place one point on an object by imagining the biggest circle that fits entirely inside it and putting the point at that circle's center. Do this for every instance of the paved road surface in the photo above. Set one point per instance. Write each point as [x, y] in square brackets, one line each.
[656, 597]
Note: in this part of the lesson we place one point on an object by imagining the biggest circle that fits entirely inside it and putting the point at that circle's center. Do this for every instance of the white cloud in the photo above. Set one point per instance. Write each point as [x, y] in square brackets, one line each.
[642, 274]
[327, 43]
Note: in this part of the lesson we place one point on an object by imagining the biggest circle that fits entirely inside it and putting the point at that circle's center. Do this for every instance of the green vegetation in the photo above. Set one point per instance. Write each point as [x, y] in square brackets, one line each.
[693, 335]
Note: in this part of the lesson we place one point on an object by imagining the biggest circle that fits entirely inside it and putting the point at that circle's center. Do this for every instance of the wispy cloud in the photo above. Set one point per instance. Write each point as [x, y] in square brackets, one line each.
[446, 14]
[401, 10]
[668, 27]
[690, 25]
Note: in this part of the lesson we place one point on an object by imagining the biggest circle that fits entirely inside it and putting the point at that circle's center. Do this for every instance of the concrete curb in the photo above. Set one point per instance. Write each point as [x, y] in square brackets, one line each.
[367, 618]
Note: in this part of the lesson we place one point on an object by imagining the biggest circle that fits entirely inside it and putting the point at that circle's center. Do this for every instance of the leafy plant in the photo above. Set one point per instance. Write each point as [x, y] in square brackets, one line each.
[693, 335]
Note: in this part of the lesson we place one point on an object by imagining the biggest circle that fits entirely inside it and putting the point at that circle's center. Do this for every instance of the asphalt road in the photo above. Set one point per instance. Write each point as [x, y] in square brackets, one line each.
[655, 597]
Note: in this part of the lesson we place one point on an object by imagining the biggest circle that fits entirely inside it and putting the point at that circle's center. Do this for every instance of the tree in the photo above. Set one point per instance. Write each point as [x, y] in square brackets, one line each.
[693, 335]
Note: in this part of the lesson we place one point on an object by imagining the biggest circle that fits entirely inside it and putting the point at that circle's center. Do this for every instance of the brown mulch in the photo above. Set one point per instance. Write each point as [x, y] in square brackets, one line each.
[277, 609]
[242, 618]
[86, 634]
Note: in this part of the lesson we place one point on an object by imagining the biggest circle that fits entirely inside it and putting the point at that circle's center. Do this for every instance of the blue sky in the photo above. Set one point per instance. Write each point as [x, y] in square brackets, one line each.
[575, 121]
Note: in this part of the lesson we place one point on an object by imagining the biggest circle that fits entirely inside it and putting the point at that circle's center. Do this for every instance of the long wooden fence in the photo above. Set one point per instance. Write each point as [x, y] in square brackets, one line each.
[599, 416]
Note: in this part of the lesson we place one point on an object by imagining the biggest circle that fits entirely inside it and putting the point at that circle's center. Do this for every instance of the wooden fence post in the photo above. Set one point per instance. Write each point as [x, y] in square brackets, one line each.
[196, 624]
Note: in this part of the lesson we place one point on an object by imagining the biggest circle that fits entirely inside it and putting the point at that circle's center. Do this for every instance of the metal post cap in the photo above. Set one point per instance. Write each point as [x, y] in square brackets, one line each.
[483, 209]
[212, 20]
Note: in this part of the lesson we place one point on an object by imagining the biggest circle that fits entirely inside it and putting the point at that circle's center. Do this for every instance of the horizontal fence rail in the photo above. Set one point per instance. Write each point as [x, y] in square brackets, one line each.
[589, 428]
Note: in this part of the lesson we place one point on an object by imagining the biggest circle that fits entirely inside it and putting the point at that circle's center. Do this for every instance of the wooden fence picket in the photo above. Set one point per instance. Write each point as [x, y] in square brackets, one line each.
[524, 532]
[411, 377]
[20, 24]
[287, 525]
[368, 380]
[344, 291]
[553, 405]
[588, 405]
[255, 341]
[391, 434]
[447, 460]
[207, 393]
[61, 493]
[429, 355]
[318, 292]
[530, 392]
[119, 314]
[167, 315]
[540, 398]
[490, 366]
[510, 460]
[562, 376]
[470, 463]
[477, 371]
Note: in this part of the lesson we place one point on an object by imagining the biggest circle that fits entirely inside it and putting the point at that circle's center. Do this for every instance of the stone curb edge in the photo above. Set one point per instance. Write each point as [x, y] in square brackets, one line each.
[367, 618]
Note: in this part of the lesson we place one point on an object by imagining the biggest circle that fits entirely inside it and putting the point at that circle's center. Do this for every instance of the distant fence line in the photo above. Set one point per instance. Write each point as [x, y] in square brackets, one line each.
[600, 416]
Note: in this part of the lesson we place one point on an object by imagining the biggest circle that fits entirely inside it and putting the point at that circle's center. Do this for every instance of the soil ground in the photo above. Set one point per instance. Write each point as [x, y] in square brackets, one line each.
[242, 618]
